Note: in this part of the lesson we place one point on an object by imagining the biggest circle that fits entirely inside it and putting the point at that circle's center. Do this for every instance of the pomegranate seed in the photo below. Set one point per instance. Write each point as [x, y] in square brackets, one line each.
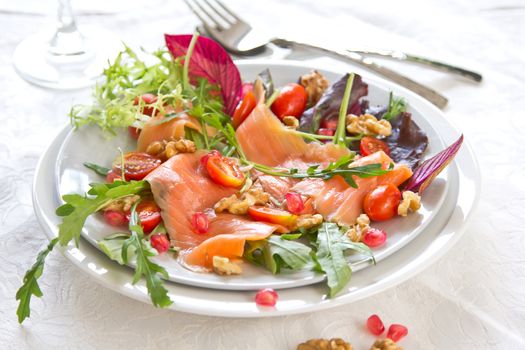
[396, 332]
[160, 242]
[204, 159]
[200, 222]
[374, 237]
[375, 325]
[329, 123]
[266, 297]
[294, 203]
[327, 132]
[115, 217]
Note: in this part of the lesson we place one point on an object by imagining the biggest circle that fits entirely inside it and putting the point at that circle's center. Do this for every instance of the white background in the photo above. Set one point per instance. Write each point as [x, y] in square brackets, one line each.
[472, 298]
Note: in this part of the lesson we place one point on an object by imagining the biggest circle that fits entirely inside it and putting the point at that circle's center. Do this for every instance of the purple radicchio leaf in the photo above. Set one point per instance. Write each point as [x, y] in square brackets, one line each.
[430, 168]
[326, 110]
[210, 61]
[407, 142]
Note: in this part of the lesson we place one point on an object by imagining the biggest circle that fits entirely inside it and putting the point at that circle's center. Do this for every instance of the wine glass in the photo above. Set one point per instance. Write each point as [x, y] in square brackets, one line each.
[65, 58]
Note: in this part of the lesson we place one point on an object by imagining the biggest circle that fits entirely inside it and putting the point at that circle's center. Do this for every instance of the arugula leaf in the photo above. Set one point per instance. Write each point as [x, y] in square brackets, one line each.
[97, 168]
[144, 266]
[396, 106]
[30, 285]
[294, 255]
[195, 136]
[330, 256]
[112, 247]
[78, 208]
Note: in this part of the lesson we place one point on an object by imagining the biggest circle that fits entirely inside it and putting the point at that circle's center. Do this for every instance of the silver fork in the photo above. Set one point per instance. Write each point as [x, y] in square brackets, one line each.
[237, 36]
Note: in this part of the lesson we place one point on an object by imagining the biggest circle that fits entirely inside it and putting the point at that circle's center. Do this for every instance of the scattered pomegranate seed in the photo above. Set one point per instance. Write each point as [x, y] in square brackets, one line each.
[396, 332]
[160, 242]
[327, 132]
[375, 325]
[200, 222]
[266, 297]
[374, 237]
[204, 159]
[115, 217]
[329, 123]
[294, 203]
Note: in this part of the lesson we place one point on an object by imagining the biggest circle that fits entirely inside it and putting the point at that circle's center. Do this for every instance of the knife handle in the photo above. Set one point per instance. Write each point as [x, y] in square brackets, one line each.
[431, 95]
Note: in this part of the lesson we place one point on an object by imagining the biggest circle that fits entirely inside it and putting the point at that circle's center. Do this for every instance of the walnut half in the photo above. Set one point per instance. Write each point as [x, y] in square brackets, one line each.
[223, 266]
[410, 201]
[239, 205]
[385, 344]
[166, 149]
[315, 84]
[367, 124]
[324, 344]
[355, 232]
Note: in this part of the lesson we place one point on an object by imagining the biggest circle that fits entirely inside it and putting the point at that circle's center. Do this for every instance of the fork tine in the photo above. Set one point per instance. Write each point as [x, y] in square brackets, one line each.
[205, 21]
[228, 11]
[225, 15]
[211, 15]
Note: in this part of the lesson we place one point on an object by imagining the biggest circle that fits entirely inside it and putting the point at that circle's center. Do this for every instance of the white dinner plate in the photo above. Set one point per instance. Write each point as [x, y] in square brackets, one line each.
[416, 240]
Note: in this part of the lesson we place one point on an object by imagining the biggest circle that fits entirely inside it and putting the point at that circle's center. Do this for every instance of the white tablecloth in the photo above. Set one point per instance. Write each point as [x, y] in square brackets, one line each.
[472, 298]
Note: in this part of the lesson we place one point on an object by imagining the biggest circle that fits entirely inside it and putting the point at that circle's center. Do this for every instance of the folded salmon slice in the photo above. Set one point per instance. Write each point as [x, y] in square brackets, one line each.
[265, 140]
[157, 130]
[181, 188]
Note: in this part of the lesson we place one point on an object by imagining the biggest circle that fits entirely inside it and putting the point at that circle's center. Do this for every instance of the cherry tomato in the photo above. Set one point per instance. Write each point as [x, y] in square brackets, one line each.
[294, 203]
[371, 145]
[200, 222]
[148, 99]
[115, 217]
[112, 176]
[272, 215]
[136, 165]
[244, 108]
[291, 101]
[160, 242]
[266, 297]
[225, 171]
[134, 132]
[149, 215]
[374, 237]
[204, 159]
[381, 203]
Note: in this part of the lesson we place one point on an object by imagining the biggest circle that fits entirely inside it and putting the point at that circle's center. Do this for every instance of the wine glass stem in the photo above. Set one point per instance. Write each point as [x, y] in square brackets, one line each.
[67, 39]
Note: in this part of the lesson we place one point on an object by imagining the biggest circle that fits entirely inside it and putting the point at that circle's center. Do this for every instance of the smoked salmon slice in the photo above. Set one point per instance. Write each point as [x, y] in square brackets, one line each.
[265, 140]
[157, 130]
[181, 188]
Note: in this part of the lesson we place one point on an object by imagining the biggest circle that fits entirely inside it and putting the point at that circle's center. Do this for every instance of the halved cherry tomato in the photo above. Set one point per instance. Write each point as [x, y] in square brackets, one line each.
[112, 176]
[290, 102]
[294, 202]
[381, 203]
[200, 222]
[149, 215]
[225, 171]
[148, 99]
[371, 145]
[272, 215]
[136, 165]
[115, 217]
[204, 159]
[134, 132]
[244, 108]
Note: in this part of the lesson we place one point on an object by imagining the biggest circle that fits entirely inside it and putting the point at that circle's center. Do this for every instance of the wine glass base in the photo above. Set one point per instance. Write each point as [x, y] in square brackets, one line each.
[35, 63]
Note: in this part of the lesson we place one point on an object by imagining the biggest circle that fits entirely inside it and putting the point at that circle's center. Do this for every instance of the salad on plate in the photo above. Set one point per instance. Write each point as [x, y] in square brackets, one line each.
[286, 177]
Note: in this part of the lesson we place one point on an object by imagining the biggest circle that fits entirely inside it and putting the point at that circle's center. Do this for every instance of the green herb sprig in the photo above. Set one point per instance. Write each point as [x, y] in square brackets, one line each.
[396, 106]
